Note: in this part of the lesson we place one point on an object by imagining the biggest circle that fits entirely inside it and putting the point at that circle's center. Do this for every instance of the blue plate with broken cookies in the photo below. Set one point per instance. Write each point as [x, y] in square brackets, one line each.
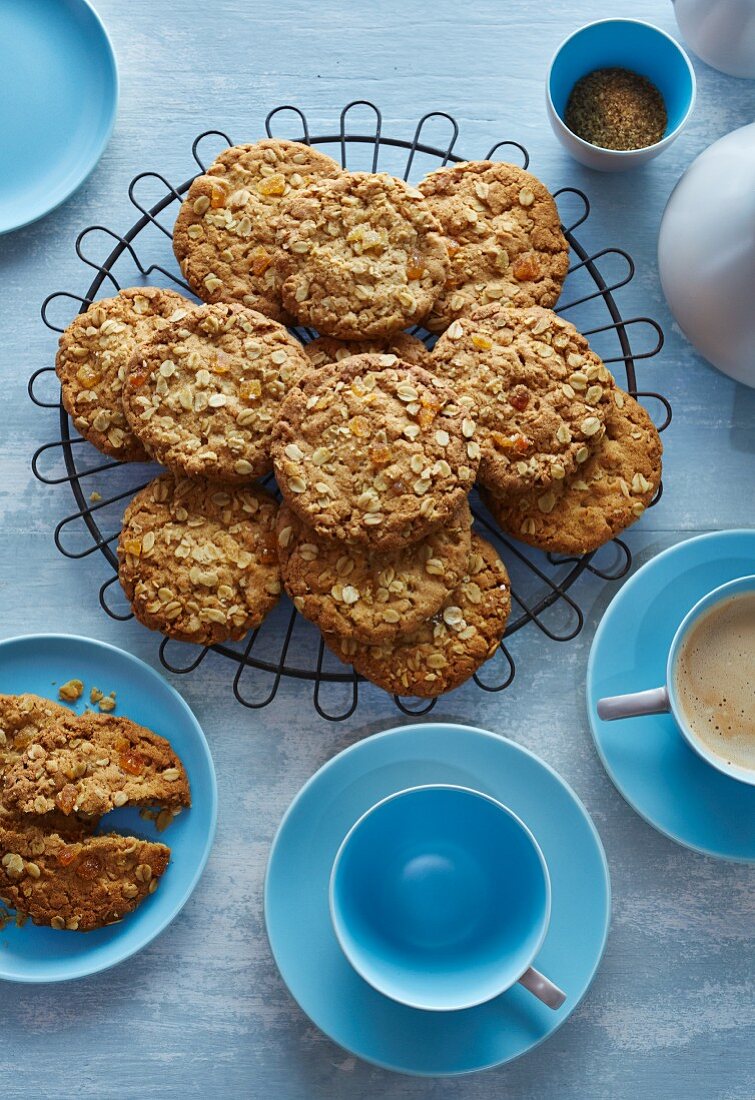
[99, 758]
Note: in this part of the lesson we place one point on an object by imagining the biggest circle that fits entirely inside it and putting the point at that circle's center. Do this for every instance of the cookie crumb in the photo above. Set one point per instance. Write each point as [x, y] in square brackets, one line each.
[95, 695]
[71, 691]
[106, 703]
[94, 497]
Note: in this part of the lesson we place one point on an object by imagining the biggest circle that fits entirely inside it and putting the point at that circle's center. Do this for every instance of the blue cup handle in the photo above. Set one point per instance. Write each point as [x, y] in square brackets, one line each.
[652, 701]
[542, 988]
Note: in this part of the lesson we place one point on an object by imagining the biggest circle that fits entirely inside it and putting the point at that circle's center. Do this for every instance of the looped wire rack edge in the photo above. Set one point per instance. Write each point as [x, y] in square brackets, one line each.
[540, 583]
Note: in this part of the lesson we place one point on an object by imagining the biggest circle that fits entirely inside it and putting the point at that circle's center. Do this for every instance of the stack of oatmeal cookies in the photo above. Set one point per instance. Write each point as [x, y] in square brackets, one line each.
[375, 441]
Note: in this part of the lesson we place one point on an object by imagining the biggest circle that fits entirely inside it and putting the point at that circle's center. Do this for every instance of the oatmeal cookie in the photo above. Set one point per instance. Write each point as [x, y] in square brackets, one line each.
[541, 394]
[503, 235]
[204, 393]
[92, 764]
[224, 236]
[23, 719]
[93, 356]
[359, 256]
[368, 595]
[371, 451]
[607, 493]
[77, 885]
[409, 349]
[197, 561]
[447, 649]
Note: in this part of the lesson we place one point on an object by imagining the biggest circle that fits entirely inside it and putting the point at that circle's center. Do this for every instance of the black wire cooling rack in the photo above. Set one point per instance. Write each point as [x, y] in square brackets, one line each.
[285, 644]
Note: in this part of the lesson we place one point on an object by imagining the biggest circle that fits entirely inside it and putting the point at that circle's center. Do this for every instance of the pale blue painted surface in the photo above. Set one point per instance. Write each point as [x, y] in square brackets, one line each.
[671, 1012]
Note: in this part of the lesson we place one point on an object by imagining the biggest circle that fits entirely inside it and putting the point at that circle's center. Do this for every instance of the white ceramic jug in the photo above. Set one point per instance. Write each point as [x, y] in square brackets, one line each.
[721, 32]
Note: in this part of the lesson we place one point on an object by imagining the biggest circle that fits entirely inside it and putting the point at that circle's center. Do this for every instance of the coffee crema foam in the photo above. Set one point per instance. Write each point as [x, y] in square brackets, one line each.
[715, 679]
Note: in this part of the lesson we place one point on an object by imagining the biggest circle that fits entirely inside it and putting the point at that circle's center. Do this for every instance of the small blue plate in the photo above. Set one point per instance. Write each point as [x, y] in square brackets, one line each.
[59, 92]
[40, 663]
[319, 977]
[649, 761]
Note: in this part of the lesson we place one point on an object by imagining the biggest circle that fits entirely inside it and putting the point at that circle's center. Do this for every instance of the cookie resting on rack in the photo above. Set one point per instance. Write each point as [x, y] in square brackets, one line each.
[409, 349]
[503, 235]
[610, 491]
[77, 885]
[359, 256]
[204, 393]
[447, 649]
[369, 595]
[224, 236]
[540, 393]
[374, 452]
[94, 763]
[92, 360]
[198, 560]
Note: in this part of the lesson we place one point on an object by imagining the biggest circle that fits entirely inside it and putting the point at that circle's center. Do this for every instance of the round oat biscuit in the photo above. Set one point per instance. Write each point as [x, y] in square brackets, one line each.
[198, 561]
[446, 650]
[605, 495]
[204, 393]
[92, 361]
[504, 238]
[360, 256]
[367, 595]
[370, 450]
[409, 349]
[224, 236]
[540, 392]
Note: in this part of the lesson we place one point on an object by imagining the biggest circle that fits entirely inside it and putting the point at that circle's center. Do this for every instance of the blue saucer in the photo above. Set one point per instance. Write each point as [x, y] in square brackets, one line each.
[59, 92]
[650, 763]
[345, 1007]
[39, 663]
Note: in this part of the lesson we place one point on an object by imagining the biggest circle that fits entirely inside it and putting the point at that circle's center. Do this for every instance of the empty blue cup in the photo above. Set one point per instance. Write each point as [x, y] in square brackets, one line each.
[621, 44]
[440, 899]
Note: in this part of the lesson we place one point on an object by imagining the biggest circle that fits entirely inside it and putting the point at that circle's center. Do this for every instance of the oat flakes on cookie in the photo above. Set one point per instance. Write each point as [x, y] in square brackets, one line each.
[93, 356]
[94, 763]
[224, 236]
[359, 256]
[76, 885]
[447, 649]
[204, 393]
[610, 491]
[372, 451]
[541, 394]
[198, 561]
[504, 238]
[369, 595]
[409, 349]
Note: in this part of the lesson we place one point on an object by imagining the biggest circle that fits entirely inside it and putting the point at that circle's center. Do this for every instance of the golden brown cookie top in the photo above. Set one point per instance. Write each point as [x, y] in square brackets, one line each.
[94, 763]
[92, 361]
[610, 491]
[77, 885]
[366, 594]
[409, 349]
[504, 238]
[203, 394]
[360, 256]
[198, 561]
[446, 650]
[372, 451]
[541, 394]
[224, 236]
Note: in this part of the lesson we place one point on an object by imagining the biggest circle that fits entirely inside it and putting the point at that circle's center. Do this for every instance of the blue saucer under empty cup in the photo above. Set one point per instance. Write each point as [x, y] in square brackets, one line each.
[440, 899]
[621, 44]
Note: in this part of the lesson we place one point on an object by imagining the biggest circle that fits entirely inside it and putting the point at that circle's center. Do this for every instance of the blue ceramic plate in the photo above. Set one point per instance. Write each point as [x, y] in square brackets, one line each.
[647, 758]
[59, 91]
[39, 663]
[301, 936]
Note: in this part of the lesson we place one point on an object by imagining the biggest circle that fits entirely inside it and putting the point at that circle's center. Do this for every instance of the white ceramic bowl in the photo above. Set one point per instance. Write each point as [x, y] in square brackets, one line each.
[625, 44]
[706, 254]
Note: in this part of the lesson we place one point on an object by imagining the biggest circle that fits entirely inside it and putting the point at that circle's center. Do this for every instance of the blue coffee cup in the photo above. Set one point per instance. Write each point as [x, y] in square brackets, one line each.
[440, 899]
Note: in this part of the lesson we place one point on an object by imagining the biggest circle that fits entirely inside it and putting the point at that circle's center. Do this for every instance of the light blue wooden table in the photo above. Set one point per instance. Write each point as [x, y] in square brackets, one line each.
[202, 1011]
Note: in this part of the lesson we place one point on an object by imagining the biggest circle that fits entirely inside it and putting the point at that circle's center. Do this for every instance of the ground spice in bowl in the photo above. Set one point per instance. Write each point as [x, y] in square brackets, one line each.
[616, 109]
